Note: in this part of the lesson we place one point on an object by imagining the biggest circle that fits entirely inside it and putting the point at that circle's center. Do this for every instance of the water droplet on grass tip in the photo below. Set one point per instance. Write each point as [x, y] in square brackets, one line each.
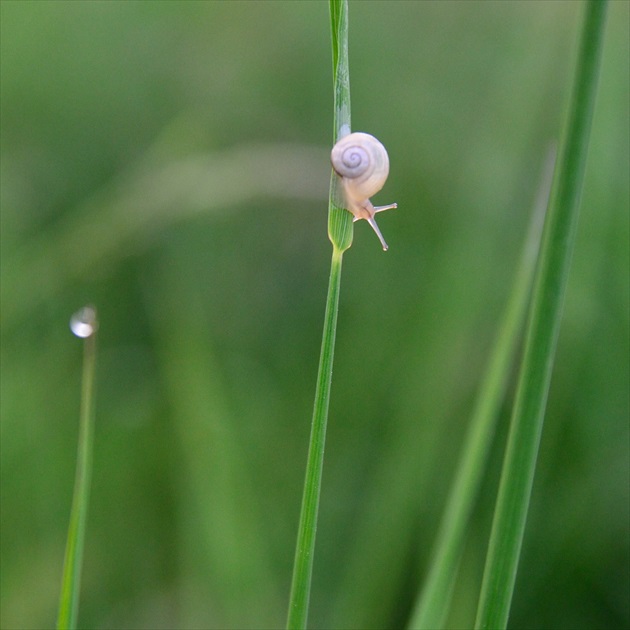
[83, 323]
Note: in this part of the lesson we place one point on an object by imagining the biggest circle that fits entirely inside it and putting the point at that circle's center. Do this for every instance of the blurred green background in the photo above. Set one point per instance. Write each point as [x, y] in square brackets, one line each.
[168, 162]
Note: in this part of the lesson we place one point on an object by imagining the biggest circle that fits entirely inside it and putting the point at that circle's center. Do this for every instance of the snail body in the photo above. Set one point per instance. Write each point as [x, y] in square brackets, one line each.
[362, 164]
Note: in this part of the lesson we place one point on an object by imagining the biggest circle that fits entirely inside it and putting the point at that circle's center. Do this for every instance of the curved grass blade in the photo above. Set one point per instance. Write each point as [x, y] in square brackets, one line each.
[434, 600]
[543, 326]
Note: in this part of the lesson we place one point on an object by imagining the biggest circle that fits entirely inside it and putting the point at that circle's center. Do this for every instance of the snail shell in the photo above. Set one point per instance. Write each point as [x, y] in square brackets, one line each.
[362, 163]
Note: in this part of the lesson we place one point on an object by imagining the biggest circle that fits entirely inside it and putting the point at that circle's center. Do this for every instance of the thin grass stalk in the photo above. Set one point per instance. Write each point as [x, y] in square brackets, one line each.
[303, 567]
[434, 600]
[544, 321]
[340, 234]
[83, 325]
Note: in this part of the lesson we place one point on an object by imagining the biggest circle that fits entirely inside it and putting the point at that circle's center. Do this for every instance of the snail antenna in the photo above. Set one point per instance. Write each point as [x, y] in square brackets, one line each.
[372, 222]
[392, 206]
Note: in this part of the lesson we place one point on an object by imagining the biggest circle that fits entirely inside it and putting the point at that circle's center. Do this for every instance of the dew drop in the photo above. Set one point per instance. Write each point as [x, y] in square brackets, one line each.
[83, 323]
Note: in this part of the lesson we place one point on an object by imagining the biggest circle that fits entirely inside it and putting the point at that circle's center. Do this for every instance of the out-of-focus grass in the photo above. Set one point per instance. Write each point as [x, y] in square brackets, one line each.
[99, 100]
[544, 319]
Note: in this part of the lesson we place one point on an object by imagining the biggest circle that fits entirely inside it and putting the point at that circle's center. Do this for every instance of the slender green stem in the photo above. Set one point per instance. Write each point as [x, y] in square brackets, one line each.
[83, 325]
[544, 320]
[303, 567]
[340, 234]
[432, 605]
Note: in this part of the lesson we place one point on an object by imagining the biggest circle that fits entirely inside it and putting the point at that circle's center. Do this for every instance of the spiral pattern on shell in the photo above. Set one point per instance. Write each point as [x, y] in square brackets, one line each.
[362, 161]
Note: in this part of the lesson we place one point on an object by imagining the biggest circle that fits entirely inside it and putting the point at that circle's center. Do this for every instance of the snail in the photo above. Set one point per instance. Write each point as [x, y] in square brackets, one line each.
[362, 164]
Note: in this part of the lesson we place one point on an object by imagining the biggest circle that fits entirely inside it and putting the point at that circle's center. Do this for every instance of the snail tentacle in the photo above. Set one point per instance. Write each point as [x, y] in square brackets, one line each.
[375, 227]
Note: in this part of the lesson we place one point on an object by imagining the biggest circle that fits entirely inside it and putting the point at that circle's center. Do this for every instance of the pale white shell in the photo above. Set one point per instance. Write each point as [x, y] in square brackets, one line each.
[362, 163]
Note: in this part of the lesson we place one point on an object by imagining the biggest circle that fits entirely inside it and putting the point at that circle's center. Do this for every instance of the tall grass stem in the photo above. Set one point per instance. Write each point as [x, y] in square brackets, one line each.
[542, 332]
[83, 324]
[340, 234]
[303, 567]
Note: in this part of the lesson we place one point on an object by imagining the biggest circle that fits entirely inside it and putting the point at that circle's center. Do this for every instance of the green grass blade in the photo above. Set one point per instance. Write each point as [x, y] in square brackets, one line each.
[83, 324]
[544, 320]
[433, 602]
[340, 234]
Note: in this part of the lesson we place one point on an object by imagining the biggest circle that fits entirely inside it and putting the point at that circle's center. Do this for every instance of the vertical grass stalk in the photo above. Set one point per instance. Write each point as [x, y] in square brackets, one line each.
[83, 324]
[433, 603]
[340, 234]
[542, 334]
[303, 566]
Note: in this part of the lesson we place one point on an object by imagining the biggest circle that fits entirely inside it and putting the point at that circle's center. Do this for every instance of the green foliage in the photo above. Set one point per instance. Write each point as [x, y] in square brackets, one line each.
[169, 162]
[545, 315]
[435, 597]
